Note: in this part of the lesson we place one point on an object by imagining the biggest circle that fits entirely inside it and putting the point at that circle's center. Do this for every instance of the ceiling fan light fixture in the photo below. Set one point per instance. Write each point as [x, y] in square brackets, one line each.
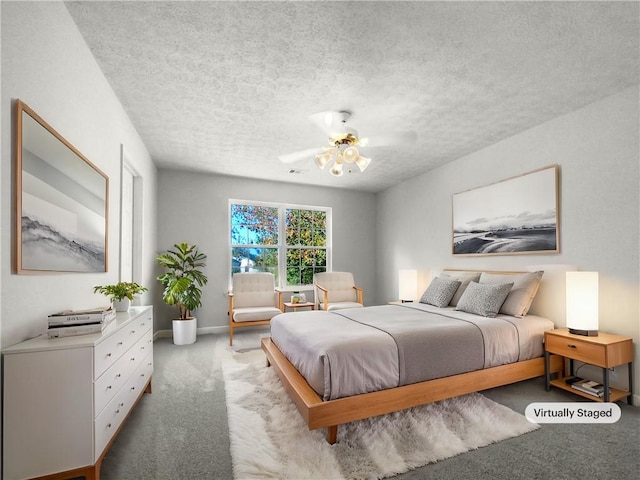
[323, 159]
[350, 154]
[362, 162]
[336, 170]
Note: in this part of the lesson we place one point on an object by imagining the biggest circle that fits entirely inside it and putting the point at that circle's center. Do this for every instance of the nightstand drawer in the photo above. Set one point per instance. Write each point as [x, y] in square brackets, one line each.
[577, 349]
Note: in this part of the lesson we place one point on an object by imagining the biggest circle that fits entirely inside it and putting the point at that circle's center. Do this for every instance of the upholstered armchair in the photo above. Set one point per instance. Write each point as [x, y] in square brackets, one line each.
[336, 290]
[253, 301]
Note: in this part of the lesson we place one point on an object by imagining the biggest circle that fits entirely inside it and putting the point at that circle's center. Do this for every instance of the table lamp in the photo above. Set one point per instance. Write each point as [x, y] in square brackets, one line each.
[582, 303]
[407, 285]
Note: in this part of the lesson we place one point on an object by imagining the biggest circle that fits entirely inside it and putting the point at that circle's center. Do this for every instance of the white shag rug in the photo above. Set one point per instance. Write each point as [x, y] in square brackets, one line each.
[269, 438]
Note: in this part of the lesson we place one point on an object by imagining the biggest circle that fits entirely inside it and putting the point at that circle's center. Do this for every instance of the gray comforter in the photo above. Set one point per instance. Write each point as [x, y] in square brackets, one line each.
[360, 350]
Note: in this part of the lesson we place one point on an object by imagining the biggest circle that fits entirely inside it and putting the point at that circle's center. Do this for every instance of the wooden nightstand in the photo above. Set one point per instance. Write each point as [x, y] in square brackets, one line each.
[605, 351]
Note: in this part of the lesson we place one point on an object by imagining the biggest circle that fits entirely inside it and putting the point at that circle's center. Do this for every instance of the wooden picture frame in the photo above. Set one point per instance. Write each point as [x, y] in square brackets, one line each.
[519, 215]
[62, 202]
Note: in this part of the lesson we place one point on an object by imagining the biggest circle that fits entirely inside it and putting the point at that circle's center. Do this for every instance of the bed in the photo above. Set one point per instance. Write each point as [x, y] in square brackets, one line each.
[351, 364]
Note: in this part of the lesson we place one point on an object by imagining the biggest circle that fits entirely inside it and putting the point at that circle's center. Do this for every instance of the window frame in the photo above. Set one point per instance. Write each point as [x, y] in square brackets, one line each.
[281, 244]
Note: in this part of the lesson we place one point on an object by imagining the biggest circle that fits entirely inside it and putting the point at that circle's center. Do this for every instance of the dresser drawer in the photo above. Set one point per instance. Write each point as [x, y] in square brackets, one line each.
[110, 350]
[576, 349]
[112, 380]
[110, 419]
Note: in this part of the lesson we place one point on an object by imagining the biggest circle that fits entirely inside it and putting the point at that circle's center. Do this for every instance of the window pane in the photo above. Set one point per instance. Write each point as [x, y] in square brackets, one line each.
[254, 260]
[293, 257]
[254, 225]
[307, 276]
[321, 260]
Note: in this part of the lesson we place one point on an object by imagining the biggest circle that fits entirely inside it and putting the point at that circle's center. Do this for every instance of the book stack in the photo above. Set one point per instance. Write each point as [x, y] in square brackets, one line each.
[589, 386]
[70, 323]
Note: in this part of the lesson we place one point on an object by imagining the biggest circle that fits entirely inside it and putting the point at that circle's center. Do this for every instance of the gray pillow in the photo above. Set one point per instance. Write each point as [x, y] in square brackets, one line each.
[483, 298]
[525, 287]
[440, 292]
[464, 279]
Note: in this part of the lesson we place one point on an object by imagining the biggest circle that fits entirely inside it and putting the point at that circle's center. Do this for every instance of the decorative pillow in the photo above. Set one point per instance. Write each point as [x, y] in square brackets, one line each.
[483, 298]
[440, 292]
[525, 287]
[464, 279]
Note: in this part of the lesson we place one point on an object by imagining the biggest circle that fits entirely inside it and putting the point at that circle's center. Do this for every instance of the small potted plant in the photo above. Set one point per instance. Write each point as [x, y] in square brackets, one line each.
[182, 282]
[120, 294]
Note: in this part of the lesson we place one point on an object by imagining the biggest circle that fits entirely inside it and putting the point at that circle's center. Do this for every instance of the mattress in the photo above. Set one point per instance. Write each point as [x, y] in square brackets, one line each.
[360, 350]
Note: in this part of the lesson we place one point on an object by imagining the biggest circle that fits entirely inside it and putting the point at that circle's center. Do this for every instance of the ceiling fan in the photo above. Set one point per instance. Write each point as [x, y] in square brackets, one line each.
[343, 142]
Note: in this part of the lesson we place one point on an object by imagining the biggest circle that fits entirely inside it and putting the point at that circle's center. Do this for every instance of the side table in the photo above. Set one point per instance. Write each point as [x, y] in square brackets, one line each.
[605, 351]
[296, 306]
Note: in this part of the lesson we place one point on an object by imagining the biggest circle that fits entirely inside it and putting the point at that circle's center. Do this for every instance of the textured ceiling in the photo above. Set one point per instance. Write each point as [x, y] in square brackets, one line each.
[226, 87]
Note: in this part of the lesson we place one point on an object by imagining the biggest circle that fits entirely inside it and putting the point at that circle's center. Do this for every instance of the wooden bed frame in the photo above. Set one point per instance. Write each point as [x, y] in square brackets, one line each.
[331, 413]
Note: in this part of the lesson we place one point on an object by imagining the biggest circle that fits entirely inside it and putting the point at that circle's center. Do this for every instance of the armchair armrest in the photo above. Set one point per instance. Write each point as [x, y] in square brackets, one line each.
[230, 312]
[280, 302]
[360, 294]
[325, 293]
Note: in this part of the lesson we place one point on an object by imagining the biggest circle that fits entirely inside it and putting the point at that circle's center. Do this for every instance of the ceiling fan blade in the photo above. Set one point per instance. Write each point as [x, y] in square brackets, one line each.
[390, 139]
[300, 155]
[331, 123]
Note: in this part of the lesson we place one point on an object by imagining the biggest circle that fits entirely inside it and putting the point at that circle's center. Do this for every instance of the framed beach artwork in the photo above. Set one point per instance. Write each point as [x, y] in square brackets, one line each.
[61, 202]
[515, 216]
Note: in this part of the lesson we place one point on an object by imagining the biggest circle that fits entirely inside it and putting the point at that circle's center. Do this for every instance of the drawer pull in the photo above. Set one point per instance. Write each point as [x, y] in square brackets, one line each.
[108, 387]
[141, 348]
[133, 331]
[142, 374]
[120, 343]
[118, 411]
[571, 346]
[108, 425]
[133, 359]
[118, 375]
[133, 388]
[122, 404]
[108, 355]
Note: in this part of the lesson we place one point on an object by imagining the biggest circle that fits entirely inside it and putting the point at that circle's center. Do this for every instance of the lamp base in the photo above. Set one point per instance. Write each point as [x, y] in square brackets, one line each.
[585, 333]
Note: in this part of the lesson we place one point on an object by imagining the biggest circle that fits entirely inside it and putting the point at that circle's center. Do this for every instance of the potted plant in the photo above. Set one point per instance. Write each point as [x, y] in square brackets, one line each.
[182, 282]
[120, 294]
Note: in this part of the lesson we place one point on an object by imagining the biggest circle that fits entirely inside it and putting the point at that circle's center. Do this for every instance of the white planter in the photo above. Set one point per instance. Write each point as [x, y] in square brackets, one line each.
[122, 305]
[184, 331]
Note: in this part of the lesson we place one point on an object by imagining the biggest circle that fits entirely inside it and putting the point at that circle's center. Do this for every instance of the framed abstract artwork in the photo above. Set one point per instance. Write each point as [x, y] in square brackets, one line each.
[518, 215]
[62, 202]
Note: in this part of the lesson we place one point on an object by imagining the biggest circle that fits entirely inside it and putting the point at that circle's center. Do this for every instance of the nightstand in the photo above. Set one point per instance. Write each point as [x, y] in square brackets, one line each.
[605, 351]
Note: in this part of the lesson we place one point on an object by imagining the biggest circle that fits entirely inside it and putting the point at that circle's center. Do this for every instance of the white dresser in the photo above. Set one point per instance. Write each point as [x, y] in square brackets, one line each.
[66, 398]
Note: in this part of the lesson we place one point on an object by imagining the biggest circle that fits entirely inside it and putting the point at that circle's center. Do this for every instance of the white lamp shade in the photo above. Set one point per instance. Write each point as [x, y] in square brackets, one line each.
[322, 159]
[407, 285]
[336, 170]
[582, 302]
[362, 162]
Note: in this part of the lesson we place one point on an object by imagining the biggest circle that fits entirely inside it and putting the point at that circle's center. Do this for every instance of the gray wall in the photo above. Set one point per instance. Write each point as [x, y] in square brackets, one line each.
[46, 64]
[597, 150]
[194, 208]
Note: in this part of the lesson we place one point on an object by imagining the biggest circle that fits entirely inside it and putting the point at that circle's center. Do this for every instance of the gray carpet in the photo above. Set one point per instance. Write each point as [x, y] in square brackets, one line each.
[180, 431]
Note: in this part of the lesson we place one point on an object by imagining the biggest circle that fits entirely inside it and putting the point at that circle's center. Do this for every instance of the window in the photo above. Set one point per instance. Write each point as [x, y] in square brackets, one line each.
[290, 241]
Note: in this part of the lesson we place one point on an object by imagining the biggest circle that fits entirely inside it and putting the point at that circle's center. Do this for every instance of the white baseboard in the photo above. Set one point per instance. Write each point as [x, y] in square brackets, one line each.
[200, 331]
